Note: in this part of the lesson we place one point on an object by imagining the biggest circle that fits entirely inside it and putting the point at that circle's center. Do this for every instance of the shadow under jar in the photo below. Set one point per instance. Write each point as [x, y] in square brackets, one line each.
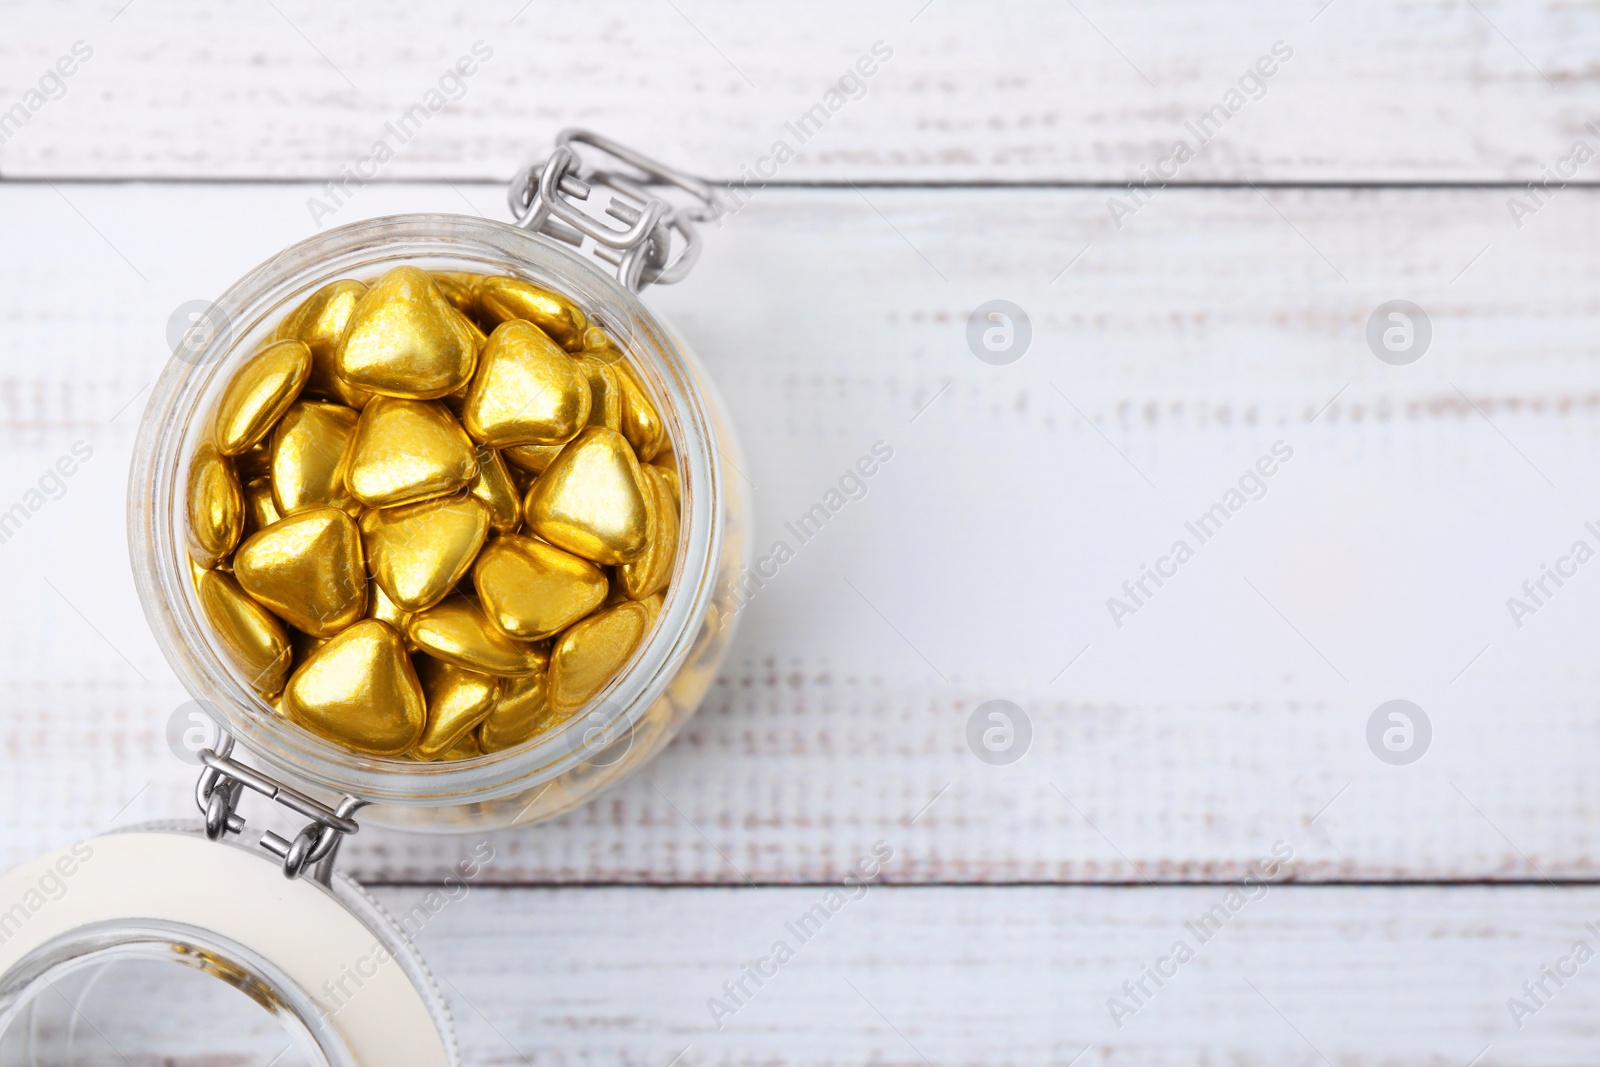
[628, 721]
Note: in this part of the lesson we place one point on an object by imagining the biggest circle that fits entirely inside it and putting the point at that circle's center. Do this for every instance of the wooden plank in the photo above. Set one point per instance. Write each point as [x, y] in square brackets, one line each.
[1015, 975]
[1230, 711]
[1020, 975]
[1425, 90]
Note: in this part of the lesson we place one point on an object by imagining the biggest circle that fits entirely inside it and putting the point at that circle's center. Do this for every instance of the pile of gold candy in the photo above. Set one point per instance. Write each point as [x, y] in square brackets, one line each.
[415, 538]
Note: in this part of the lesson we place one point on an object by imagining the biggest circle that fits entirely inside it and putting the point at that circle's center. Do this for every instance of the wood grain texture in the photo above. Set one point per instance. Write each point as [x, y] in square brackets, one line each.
[1419, 91]
[1177, 338]
[1021, 975]
[1228, 713]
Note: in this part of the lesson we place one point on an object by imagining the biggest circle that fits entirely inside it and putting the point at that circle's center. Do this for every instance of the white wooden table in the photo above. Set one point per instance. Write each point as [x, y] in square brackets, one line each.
[1225, 718]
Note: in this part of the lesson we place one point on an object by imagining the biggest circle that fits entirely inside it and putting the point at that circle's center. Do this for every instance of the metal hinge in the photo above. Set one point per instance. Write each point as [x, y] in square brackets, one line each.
[222, 783]
[545, 196]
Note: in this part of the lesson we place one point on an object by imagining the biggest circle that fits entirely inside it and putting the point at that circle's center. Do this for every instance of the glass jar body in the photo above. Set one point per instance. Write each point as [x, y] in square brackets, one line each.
[627, 722]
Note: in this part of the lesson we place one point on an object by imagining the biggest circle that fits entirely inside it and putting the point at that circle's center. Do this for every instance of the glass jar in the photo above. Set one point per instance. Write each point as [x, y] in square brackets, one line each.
[625, 724]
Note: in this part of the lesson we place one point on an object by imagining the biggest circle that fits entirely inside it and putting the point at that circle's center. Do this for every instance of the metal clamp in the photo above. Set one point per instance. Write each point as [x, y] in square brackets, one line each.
[545, 196]
[222, 783]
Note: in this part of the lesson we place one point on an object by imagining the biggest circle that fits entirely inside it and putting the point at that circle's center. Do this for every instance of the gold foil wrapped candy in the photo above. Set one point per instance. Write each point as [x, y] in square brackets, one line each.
[590, 652]
[650, 572]
[380, 607]
[259, 507]
[408, 450]
[308, 569]
[591, 499]
[605, 391]
[456, 631]
[360, 689]
[666, 465]
[419, 552]
[641, 423]
[533, 459]
[406, 340]
[522, 709]
[259, 395]
[216, 510]
[321, 322]
[458, 700]
[460, 288]
[310, 457]
[496, 490]
[254, 638]
[527, 391]
[534, 590]
[503, 299]
[417, 539]
[254, 462]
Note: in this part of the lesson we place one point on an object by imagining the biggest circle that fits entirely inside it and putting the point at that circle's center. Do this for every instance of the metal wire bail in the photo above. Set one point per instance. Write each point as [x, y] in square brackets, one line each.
[222, 783]
[657, 242]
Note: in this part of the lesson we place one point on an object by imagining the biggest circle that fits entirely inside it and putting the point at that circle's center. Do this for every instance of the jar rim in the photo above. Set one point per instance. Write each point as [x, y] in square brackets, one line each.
[227, 914]
[173, 420]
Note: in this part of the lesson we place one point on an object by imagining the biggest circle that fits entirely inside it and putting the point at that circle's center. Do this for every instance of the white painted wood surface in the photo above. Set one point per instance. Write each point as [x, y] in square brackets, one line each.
[1168, 354]
[1421, 90]
[1302, 977]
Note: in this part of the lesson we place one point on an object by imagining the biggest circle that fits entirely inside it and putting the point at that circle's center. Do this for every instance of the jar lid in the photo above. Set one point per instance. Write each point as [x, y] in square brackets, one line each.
[326, 963]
